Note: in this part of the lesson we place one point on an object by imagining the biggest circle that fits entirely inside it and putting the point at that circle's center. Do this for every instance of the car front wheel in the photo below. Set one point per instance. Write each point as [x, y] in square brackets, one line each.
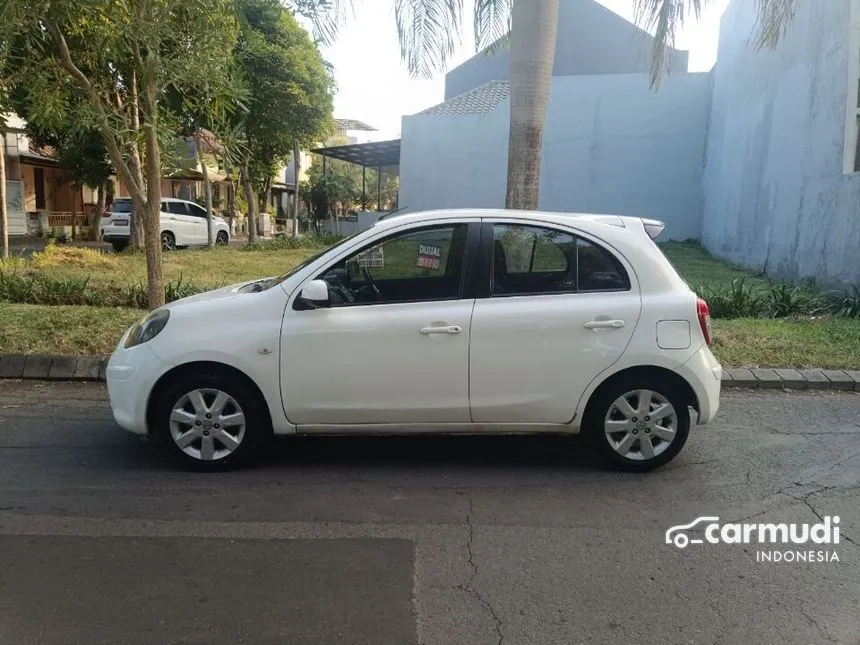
[211, 422]
[639, 424]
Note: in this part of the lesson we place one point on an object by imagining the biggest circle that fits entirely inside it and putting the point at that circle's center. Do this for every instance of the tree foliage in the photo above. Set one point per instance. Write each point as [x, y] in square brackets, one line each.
[109, 65]
[291, 92]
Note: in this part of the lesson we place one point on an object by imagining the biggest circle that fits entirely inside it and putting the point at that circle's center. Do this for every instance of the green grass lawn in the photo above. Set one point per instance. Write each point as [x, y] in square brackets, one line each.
[800, 342]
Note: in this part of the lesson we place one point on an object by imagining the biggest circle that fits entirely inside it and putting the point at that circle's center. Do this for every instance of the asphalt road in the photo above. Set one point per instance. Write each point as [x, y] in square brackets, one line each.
[437, 541]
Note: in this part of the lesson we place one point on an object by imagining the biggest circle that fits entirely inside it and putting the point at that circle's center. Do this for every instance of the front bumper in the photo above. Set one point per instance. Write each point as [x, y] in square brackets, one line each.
[131, 375]
[705, 375]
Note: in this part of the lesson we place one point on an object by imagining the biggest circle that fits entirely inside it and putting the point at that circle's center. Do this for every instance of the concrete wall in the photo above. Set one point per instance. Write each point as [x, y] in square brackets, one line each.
[611, 145]
[775, 193]
[591, 40]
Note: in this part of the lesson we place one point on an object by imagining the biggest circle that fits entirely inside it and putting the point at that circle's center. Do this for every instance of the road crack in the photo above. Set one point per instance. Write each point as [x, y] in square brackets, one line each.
[469, 587]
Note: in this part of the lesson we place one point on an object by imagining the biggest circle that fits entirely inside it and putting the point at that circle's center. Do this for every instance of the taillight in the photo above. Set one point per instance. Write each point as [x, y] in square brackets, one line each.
[704, 319]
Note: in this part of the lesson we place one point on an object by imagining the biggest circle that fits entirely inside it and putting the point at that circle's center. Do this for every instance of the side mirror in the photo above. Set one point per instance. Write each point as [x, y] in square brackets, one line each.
[315, 294]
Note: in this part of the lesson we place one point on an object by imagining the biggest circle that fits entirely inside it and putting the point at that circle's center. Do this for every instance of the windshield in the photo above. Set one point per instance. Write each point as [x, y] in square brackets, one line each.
[316, 256]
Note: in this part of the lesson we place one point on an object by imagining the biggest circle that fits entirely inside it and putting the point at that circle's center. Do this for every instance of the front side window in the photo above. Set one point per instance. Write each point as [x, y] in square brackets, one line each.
[538, 260]
[416, 266]
[198, 211]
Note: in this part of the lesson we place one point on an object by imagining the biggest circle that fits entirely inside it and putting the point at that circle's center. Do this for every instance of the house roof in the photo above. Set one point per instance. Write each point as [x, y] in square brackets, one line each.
[352, 124]
[480, 100]
[376, 154]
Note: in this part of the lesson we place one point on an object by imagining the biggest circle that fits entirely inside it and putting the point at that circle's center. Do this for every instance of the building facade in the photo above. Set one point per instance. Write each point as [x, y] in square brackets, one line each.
[757, 158]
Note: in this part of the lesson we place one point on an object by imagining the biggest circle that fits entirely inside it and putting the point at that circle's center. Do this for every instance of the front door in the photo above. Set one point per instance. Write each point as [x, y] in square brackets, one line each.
[561, 309]
[393, 347]
[199, 224]
[179, 222]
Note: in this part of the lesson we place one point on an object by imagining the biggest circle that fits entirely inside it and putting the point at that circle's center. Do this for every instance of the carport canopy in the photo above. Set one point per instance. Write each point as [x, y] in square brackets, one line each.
[375, 154]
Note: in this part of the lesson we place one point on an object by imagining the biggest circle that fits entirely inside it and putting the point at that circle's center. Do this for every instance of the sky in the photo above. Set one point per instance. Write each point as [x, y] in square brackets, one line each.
[374, 86]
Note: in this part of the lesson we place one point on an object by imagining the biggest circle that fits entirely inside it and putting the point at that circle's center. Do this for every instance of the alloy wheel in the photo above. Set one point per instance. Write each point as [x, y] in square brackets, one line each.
[207, 424]
[167, 242]
[640, 425]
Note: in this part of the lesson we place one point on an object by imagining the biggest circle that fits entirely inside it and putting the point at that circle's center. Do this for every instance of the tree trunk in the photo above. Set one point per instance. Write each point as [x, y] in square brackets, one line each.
[74, 190]
[265, 202]
[97, 214]
[297, 166]
[534, 24]
[4, 215]
[252, 203]
[152, 220]
[207, 192]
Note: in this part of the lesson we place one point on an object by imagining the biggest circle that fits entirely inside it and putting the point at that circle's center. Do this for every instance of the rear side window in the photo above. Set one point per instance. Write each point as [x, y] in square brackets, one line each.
[177, 208]
[121, 207]
[539, 260]
[599, 270]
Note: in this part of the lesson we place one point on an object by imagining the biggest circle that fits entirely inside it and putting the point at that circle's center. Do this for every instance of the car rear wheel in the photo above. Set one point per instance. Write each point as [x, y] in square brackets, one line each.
[639, 424]
[211, 422]
[168, 241]
[119, 247]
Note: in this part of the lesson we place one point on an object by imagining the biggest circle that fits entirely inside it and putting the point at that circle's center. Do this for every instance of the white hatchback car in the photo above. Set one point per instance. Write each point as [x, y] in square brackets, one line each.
[183, 223]
[435, 322]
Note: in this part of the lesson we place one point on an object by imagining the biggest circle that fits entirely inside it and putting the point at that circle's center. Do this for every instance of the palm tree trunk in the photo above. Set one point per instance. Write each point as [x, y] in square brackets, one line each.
[534, 25]
[207, 192]
[4, 216]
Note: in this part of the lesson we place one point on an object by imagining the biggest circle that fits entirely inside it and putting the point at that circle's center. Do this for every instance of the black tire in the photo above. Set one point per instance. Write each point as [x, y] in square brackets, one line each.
[605, 399]
[119, 247]
[222, 238]
[257, 428]
[168, 241]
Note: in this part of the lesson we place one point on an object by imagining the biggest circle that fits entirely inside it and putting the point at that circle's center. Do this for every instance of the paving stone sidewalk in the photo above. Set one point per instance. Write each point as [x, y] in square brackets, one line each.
[92, 368]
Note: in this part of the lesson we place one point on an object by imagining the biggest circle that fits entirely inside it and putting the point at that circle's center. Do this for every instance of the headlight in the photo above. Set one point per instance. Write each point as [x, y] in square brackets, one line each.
[148, 328]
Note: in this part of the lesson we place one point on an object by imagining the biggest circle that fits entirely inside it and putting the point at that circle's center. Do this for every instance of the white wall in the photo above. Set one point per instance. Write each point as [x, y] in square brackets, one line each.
[776, 196]
[611, 145]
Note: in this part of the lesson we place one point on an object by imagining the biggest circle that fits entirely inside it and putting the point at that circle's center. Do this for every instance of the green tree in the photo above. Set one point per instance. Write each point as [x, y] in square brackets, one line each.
[429, 31]
[291, 96]
[107, 65]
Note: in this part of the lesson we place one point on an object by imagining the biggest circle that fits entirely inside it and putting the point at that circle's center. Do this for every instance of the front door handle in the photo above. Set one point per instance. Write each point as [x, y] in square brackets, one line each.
[447, 329]
[604, 324]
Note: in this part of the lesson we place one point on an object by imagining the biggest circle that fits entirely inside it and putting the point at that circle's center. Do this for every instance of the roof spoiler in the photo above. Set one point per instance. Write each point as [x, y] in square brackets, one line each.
[653, 227]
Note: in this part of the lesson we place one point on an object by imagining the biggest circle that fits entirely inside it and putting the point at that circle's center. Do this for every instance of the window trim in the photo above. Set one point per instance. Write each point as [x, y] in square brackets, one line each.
[486, 259]
[464, 288]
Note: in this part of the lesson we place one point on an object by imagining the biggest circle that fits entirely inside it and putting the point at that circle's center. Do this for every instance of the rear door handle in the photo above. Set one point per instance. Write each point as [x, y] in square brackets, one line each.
[447, 329]
[604, 324]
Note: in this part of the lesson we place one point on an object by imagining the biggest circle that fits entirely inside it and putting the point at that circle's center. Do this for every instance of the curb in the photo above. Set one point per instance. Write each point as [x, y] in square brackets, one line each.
[92, 368]
[52, 368]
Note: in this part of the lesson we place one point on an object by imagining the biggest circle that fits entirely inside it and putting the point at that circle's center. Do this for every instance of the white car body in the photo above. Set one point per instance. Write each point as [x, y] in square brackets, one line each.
[470, 364]
[185, 221]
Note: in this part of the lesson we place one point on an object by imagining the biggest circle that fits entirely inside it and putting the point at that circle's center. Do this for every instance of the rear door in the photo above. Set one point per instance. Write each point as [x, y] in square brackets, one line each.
[561, 309]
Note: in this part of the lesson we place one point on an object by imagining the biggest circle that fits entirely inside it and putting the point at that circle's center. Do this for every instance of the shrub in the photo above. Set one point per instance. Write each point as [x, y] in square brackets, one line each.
[846, 304]
[737, 300]
[285, 242]
[40, 289]
[785, 300]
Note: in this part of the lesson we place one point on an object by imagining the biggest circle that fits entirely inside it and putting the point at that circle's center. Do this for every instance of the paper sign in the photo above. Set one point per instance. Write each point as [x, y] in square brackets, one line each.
[429, 256]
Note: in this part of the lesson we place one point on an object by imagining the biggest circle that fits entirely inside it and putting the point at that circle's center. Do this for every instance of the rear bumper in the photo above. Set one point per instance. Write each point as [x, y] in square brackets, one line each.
[704, 374]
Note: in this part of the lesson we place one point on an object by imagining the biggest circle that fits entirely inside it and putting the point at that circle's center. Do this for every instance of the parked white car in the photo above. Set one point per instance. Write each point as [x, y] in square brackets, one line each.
[183, 224]
[437, 322]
